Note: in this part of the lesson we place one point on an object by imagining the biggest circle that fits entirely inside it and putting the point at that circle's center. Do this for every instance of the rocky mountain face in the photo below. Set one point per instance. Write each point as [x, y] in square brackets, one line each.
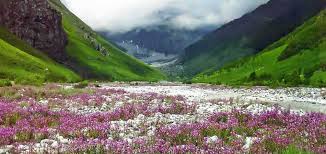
[35, 22]
[162, 39]
[250, 34]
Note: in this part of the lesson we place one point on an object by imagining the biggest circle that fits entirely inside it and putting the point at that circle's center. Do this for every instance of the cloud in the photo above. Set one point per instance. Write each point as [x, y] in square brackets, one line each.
[125, 15]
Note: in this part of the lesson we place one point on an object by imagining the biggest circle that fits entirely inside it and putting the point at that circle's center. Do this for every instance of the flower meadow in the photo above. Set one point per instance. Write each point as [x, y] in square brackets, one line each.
[54, 119]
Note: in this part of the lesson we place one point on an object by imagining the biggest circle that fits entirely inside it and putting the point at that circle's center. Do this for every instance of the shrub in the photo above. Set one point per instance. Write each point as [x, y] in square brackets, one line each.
[323, 66]
[252, 76]
[265, 76]
[5, 83]
[36, 80]
[187, 82]
[82, 84]
[294, 79]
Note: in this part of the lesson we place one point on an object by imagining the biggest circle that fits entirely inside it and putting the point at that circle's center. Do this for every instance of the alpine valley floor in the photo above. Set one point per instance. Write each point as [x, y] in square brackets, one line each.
[161, 118]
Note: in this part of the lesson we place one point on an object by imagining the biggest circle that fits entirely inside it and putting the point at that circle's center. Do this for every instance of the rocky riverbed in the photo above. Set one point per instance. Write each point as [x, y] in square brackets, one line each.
[296, 98]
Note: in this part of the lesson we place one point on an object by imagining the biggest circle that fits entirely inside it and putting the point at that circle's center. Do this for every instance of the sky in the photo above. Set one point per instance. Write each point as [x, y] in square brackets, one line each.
[118, 16]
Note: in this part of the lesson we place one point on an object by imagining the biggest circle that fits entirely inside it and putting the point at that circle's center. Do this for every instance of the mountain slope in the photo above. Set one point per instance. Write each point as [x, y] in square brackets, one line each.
[94, 57]
[297, 59]
[249, 34]
[25, 65]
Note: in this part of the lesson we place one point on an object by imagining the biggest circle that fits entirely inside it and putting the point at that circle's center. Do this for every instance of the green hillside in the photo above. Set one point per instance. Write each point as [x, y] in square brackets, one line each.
[90, 63]
[248, 35]
[25, 65]
[297, 59]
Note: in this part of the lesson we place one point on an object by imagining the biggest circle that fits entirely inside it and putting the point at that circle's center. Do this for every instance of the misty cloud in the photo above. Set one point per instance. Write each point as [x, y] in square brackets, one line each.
[125, 15]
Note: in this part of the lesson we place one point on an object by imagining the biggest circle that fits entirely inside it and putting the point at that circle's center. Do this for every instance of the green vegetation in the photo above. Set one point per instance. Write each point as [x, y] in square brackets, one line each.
[294, 150]
[212, 60]
[82, 85]
[25, 65]
[117, 65]
[5, 83]
[297, 59]
[40, 92]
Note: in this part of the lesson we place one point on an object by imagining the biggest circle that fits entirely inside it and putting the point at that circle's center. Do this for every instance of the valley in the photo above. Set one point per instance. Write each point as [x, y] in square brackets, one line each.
[159, 76]
[151, 57]
[156, 45]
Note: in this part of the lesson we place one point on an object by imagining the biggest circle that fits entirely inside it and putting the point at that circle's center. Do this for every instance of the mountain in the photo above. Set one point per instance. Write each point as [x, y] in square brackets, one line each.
[156, 43]
[297, 59]
[44, 34]
[249, 34]
[163, 39]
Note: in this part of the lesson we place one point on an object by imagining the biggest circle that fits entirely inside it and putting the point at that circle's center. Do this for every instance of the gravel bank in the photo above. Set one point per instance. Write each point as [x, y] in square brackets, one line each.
[299, 98]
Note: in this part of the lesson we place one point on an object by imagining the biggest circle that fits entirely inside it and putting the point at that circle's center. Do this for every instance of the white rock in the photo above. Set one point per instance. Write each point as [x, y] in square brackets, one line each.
[119, 104]
[23, 148]
[121, 134]
[64, 141]
[128, 140]
[46, 142]
[68, 87]
[38, 148]
[4, 151]
[55, 145]
[212, 139]
[151, 133]
[256, 108]
[45, 102]
[37, 145]
[141, 117]
[249, 141]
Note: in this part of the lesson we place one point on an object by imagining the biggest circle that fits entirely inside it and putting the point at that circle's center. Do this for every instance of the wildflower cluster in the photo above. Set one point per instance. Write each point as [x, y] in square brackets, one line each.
[115, 121]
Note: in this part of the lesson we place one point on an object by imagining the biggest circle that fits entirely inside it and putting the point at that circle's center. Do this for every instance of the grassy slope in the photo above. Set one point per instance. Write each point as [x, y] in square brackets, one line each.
[26, 65]
[117, 66]
[297, 59]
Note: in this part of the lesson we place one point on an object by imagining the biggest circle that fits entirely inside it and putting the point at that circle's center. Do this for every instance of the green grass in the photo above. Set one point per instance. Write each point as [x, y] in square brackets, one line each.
[297, 59]
[214, 59]
[25, 65]
[294, 150]
[91, 63]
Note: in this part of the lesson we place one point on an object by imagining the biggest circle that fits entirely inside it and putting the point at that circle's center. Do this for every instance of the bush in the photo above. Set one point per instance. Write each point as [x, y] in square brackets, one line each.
[294, 79]
[252, 76]
[82, 84]
[187, 82]
[323, 66]
[36, 80]
[5, 83]
[265, 76]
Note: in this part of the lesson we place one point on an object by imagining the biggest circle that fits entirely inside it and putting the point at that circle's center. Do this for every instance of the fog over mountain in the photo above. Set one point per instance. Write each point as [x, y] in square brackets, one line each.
[122, 16]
